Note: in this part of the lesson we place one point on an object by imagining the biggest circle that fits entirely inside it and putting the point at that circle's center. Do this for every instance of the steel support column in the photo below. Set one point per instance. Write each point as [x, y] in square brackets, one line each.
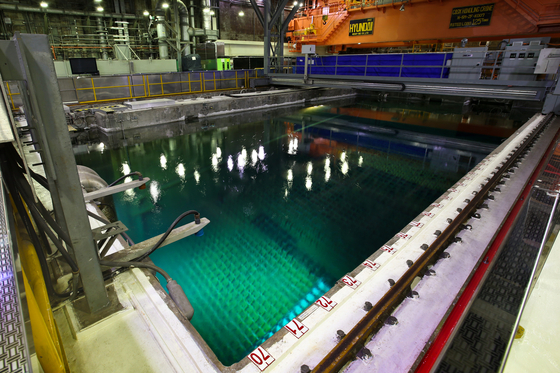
[32, 64]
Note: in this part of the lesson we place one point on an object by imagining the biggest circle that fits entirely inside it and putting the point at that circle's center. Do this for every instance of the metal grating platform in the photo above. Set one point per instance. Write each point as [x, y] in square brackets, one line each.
[482, 339]
[13, 349]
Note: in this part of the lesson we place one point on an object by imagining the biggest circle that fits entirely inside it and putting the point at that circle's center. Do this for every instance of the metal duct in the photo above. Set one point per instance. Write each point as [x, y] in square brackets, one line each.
[206, 17]
[162, 37]
[162, 34]
[102, 38]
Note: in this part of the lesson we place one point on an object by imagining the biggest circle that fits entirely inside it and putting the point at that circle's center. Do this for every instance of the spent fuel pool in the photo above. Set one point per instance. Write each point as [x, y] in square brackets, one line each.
[295, 203]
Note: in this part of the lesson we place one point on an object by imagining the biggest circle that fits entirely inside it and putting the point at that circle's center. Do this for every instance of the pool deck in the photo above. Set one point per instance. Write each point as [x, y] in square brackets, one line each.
[147, 335]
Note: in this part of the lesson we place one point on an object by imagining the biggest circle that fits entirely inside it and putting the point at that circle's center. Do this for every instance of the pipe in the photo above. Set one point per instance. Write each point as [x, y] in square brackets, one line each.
[102, 39]
[206, 17]
[162, 36]
[186, 29]
[20, 8]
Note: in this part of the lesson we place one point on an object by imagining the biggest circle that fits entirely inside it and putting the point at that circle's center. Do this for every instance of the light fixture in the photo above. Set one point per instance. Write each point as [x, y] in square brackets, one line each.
[206, 10]
[96, 1]
[99, 8]
[146, 13]
[300, 4]
[359, 43]
[241, 14]
[165, 5]
[44, 5]
[402, 8]
[212, 13]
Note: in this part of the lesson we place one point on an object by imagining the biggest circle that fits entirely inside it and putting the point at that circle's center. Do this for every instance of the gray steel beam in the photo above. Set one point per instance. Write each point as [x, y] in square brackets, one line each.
[44, 107]
[266, 37]
[279, 10]
[257, 12]
[29, 9]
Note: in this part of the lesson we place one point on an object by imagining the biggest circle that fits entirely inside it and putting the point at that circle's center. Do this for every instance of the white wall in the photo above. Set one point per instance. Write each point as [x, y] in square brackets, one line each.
[120, 67]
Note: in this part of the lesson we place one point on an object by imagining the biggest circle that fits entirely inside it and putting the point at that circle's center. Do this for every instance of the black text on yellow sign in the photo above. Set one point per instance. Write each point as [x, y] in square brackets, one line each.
[471, 16]
[361, 27]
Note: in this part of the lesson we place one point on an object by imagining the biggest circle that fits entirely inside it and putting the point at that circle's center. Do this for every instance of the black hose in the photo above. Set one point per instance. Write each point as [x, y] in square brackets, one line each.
[154, 248]
[35, 241]
[140, 177]
[136, 264]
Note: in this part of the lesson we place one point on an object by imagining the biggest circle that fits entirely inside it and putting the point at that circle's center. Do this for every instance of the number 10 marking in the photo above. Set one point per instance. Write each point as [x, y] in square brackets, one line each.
[261, 358]
[296, 328]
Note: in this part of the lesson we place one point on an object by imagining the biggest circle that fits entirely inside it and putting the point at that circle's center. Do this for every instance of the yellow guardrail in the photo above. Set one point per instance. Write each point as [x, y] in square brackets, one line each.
[148, 85]
[46, 338]
[11, 95]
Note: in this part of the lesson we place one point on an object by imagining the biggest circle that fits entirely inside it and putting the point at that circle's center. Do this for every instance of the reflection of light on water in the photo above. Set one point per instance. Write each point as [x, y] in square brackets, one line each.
[261, 152]
[196, 176]
[242, 160]
[219, 152]
[101, 147]
[292, 146]
[254, 157]
[214, 162]
[163, 161]
[125, 168]
[309, 168]
[360, 161]
[155, 192]
[344, 168]
[230, 163]
[180, 170]
[286, 192]
[308, 182]
[327, 169]
[343, 156]
[290, 175]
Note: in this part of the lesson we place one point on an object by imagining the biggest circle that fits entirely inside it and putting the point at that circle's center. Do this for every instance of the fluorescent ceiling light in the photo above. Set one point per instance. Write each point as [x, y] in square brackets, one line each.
[146, 13]
[99, 8]
[44, 5]
[165, 5]
[241, 14]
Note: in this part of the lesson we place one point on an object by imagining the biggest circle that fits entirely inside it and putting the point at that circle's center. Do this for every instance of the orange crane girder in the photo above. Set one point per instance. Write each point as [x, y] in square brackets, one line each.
[329, 23]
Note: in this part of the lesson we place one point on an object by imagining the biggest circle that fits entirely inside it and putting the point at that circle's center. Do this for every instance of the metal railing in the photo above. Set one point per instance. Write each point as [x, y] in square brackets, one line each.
[88, 90]
[345, 65]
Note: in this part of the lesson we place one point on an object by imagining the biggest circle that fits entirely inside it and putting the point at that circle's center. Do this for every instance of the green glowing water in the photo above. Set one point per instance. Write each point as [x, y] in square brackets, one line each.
[291, 212]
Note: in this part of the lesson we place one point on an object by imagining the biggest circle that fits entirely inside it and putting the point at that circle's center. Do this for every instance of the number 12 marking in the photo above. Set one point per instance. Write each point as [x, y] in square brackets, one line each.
[326, 303]
[261, 358]
[296, 328]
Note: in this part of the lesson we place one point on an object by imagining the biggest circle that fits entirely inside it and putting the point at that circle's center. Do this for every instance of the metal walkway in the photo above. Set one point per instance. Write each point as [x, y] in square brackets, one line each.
[482, 339]
[13, 347]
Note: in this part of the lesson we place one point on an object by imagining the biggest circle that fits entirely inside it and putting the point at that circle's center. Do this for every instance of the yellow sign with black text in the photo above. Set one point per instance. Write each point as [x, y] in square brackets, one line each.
[471, 16]
[361, 27]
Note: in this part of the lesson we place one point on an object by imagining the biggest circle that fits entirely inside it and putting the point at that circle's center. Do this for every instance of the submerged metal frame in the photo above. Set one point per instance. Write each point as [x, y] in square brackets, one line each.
[28, 59]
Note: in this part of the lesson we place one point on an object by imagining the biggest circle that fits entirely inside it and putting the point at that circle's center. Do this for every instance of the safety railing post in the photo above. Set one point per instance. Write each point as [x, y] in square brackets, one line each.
[402, 62]
[93, 87]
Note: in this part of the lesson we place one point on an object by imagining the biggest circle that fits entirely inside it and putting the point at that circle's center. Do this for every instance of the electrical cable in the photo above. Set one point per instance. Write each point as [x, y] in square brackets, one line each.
[35, 241]
[154, 248]
[140, 178]
[136, 264]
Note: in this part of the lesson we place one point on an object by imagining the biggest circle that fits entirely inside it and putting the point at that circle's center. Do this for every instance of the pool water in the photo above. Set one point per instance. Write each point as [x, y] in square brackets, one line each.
[295, 203]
